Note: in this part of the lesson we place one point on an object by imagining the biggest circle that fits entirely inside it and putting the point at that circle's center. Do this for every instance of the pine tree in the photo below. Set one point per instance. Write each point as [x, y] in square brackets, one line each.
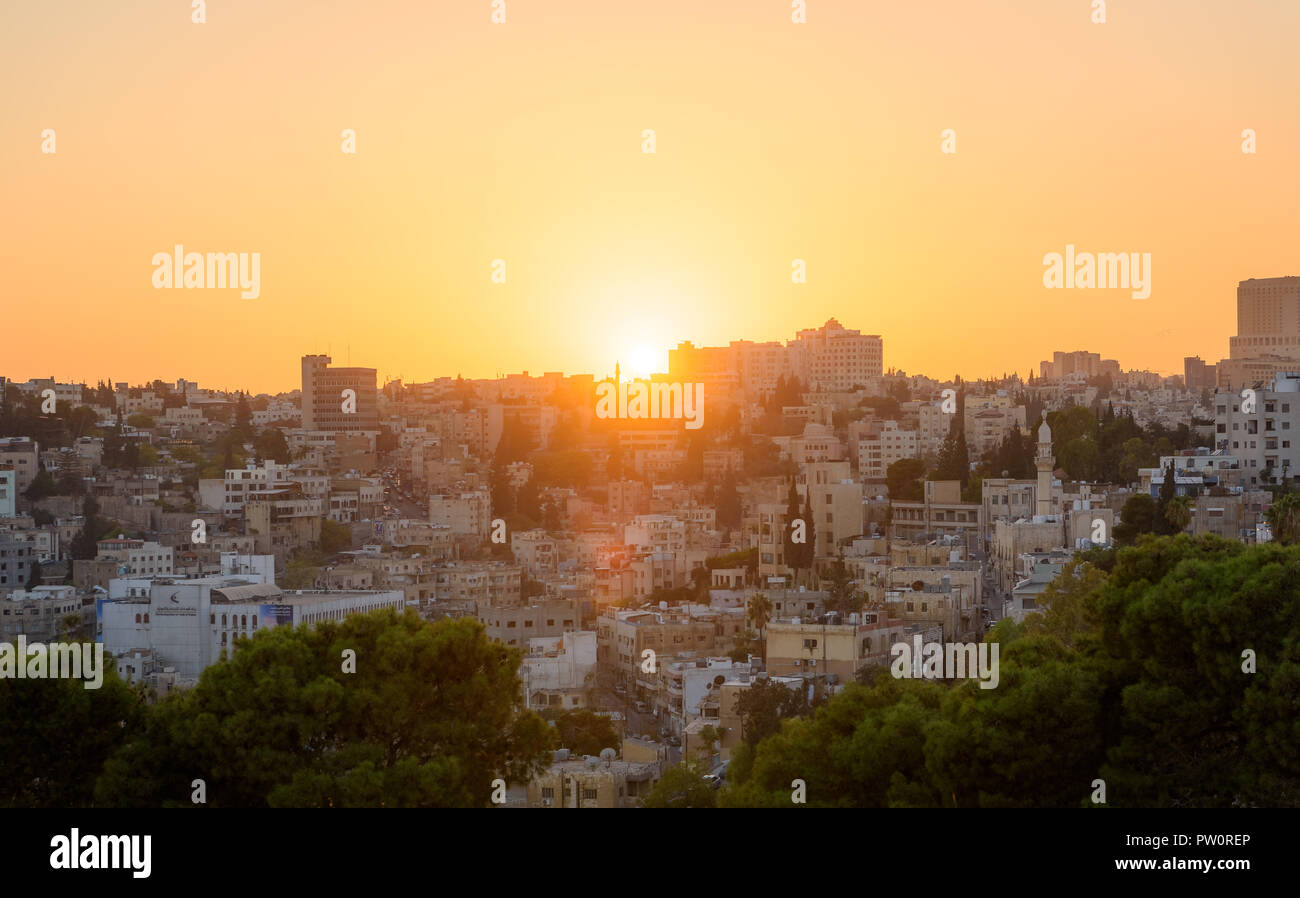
[1168, 490]
[808, 551]
[791, 548]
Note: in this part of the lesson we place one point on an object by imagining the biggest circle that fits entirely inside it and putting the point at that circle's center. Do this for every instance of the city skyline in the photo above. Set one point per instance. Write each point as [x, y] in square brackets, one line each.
[476, 142]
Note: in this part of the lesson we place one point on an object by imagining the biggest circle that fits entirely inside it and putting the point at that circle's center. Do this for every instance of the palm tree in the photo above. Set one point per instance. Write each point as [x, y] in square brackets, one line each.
[760, 612]
[1178, 512]
[1284, 518]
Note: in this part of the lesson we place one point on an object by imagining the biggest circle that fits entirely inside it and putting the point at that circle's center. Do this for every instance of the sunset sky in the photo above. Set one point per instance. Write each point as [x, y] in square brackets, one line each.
[522, 142]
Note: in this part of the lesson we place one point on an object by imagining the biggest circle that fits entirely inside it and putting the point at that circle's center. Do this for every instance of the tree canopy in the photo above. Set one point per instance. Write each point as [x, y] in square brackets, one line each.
[431, 715]
[1174, 678]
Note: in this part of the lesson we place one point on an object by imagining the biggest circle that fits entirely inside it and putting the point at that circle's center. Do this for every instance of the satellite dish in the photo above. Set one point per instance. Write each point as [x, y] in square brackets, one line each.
[608, 754]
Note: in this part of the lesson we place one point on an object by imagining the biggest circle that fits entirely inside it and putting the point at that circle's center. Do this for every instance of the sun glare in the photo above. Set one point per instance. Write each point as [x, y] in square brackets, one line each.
[642, 362]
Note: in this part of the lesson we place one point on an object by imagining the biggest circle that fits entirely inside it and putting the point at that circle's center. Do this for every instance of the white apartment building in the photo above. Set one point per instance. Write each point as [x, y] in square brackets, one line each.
[536, 550]
[189, 623]
[653, 533]
[182, 417]
[555, 670]
[8, 491]
[891, 444]
[933, 424]
[136, 557]
[988, 421]
[243, 483]
[836, 501]
[466, 513]
[1261, 429]
[23, 455]
[832, 357]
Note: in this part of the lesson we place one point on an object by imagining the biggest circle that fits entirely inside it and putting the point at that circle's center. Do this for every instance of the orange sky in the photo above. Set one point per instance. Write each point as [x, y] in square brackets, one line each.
[522, 142]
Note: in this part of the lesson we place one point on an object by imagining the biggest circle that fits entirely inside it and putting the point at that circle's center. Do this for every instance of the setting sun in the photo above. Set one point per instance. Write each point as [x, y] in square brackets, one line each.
[642, 362]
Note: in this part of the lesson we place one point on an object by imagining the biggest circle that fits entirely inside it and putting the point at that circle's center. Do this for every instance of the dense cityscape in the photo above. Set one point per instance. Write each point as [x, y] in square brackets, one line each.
[697, 588]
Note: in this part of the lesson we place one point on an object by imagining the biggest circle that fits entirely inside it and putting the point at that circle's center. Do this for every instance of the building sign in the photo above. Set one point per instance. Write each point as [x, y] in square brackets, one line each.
[279, 614]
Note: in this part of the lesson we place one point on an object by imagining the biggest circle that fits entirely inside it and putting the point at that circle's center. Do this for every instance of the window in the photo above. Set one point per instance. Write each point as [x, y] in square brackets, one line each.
[550, 622]
[810, 644]
[588, 794]
[548, 792]
[510, 625]
[137, 617]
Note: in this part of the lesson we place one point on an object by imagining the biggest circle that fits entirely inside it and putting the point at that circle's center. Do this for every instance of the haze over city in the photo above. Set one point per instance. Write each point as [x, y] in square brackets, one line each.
[524, 143]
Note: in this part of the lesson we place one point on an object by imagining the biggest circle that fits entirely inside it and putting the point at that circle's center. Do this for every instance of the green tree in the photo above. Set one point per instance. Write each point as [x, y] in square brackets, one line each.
[903, 479]
[585, 732]
[431, 715]
[243, 419]
[271, 444]
[1139, 677]
[792, 551]
[334, 537]
[1138, 516]
[728, 503]
[1178, 513]
[42, 485]
[764, 705]
[808, 548]
[842, 596]
[55, 736]
[529, 501]
[299, 573]
[1283, 518]
[1168, 489]
[954, 460]
[85, 545]
[760, 612]
[682, 786]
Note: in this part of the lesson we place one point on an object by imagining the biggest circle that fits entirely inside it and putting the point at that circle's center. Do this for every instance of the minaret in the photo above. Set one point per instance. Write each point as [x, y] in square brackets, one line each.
[1045, 464]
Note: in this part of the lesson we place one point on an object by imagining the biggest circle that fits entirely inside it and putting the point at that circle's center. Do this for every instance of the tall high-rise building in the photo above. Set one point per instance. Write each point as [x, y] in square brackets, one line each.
[1268, 333]
[327, 403]
[1197, 375]
[829, 357]
[832, 357]
[1268, 319]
